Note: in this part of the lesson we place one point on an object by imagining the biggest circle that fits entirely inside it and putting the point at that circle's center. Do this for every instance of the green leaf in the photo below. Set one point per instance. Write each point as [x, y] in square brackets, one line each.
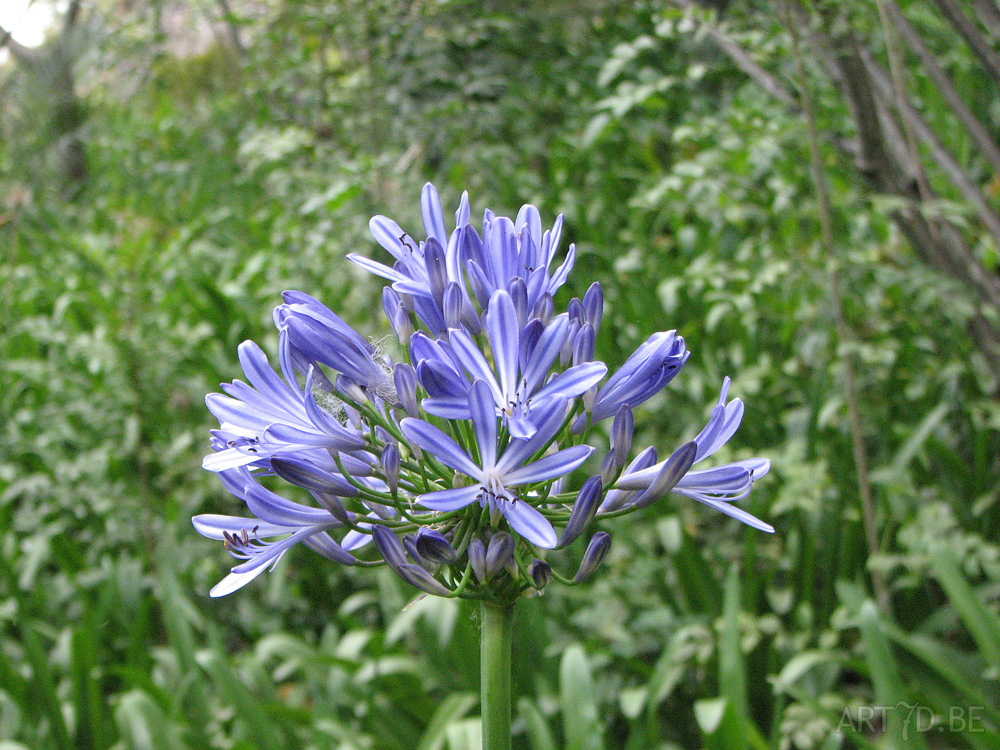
[452, 708]
[983, 625]
[578, 703]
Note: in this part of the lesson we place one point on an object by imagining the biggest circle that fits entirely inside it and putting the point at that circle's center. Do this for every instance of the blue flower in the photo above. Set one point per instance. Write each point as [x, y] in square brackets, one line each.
[269, 416]
[508, 252]
[521, 363]
[274, 516]
[496, 478]
[645, 373]
[716, 487]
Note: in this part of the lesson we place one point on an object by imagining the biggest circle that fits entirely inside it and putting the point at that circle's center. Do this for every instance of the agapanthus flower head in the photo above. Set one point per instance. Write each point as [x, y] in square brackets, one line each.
[470, 457]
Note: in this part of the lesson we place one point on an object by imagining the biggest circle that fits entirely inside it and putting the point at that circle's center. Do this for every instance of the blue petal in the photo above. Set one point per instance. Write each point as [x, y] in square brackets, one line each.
[484, 422]
[545, 351]
[212, 526]
[549, 467]
[434, 441]
[430, 208]
[475, 363]
[450, 499]
[387, 233]
[378, 269]
[574, 381]
[233, 582]
[503, 331]
[547, 419]
[529, 523]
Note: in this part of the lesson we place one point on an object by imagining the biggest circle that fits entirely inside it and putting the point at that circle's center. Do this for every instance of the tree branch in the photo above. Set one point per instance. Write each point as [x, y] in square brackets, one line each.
[939, 151]
[976, 131]
[987, 56]
[22, 54]
[743, 60]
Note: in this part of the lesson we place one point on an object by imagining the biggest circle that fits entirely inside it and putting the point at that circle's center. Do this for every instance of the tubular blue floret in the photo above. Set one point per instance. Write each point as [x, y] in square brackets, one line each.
[596, 551]
[584, 510]
[621, 435]
[477, 558]
[432, 545]
[717, 487]
[390, 466]
[540, 573]
[269, 417]
[499, 553]
[593, 305]
[645, 373]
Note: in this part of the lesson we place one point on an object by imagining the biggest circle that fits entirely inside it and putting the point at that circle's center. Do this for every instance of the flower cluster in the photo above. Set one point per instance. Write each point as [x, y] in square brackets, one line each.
[453, 458]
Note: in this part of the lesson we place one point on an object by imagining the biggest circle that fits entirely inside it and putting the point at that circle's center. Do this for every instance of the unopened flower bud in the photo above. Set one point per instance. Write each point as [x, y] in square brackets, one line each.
[477, 558]
[674, 468]
[540, 573]
[390, 466]
[544, 308]
[431, 545]
[566, 353]
[480, 285]
[598, 548]
[421, 579]
[593, 305]
[410, 544]
[351, 390]
[519, 296]
[499, 552]
[332, 503]
[452, 306]
[575, 311]
[621, 434]
[402, 325]
[437, 270]
[583, 511]
[307, 475]
[405, 380]
[583, 346]
[609, 468]
[388, 546]
[390, 303]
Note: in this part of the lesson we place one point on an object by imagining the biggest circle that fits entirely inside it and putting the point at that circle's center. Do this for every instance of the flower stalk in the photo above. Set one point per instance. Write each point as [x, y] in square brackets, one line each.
[495, 641]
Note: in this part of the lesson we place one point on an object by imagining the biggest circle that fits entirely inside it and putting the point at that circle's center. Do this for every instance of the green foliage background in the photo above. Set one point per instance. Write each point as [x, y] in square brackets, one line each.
[217, 179]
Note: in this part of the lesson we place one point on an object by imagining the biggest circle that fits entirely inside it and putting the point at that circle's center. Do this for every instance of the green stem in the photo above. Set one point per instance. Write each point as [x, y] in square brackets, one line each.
[495, 645]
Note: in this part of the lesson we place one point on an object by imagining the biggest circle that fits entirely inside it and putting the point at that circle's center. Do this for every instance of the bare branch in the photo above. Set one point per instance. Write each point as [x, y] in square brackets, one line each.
[939, 151]
[972, 125]
[989, 16]
[22, 54]
[972, 36]
[743, 60]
